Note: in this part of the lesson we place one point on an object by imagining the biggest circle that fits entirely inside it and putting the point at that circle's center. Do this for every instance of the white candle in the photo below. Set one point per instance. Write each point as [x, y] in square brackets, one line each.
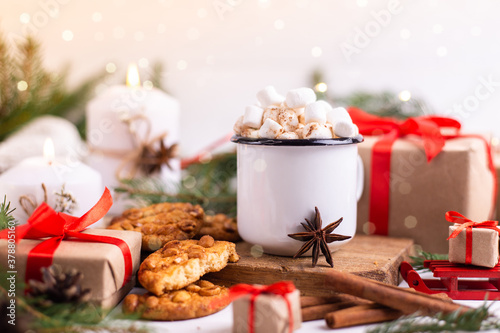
[113, 116]
[26, 178]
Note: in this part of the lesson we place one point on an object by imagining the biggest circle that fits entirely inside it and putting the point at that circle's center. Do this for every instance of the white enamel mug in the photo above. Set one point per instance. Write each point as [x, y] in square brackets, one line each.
[281, 181]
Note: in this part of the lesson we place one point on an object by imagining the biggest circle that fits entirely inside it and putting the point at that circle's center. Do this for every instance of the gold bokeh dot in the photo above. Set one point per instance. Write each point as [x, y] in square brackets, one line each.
[410, 221]
[368, 228]
[256, 251]
[22, 85]
[404, 188]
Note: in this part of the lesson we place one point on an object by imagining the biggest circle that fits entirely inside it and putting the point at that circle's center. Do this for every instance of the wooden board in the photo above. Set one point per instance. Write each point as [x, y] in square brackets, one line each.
[374, 257]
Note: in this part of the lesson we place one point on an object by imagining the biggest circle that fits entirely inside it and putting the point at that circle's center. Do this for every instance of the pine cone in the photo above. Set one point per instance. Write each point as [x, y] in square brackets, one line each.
[59, 287]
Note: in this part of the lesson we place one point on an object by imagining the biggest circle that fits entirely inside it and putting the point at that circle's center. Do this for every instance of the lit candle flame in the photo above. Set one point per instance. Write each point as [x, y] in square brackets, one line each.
[133, 76]
[48, 150]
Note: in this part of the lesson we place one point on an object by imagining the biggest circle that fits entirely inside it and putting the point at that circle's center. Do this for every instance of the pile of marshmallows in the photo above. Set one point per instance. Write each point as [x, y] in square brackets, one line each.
[296, 116]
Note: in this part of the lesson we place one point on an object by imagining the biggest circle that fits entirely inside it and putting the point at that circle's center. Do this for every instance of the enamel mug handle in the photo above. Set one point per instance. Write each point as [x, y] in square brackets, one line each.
[360, 179]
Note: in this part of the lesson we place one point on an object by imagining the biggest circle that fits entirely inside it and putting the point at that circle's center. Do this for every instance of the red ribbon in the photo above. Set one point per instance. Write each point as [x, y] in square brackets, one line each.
[468, 225]
[281, 288]
[45, 222]
[428, 128]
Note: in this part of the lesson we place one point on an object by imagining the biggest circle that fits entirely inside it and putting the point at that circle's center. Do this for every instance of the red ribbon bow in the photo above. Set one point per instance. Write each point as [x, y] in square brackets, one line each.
[468, 225]
[45, 222]
[281, 288]
[428, 128]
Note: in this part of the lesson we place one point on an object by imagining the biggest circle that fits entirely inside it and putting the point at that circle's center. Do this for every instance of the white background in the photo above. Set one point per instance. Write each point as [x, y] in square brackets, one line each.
[215, 62]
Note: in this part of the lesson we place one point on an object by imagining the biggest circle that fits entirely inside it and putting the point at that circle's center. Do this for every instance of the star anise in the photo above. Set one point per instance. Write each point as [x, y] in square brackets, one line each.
[152, 159]
[318, 238]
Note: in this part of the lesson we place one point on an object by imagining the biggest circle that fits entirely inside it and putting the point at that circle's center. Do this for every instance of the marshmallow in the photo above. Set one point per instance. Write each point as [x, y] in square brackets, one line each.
[270, 129]
[269, 96]
[271, 113]
[299, 111]
[327, 105]
[299, 131]
[250, 133]
[302, 119]
[316, 130]
[288, 119]
[316, 112]
[330, 127]
[238, 126]
[253, 116]
[343, 128]
[300, 97]
[288, 136]
[337, 114]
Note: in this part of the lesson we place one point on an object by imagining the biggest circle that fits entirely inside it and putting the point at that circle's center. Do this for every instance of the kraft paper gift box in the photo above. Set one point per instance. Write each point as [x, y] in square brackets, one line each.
[484, 247]
[102, 264]
[270, 313]
[459, 178]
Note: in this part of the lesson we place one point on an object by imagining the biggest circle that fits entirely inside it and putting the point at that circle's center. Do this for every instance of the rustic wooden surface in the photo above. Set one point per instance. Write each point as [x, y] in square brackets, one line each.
[374, 257]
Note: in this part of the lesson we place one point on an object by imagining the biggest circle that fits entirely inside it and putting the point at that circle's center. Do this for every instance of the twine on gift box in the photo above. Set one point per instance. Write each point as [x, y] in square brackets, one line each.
[144, 156]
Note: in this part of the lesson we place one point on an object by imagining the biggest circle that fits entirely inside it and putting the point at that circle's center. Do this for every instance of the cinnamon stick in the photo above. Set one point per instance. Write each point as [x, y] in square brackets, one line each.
[394, 297]
[361, 315]
[319, 311]
[307, 301]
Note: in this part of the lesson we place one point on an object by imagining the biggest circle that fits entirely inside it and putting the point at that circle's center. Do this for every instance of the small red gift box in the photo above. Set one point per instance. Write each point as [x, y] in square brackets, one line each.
[262, 309]
[472, 243]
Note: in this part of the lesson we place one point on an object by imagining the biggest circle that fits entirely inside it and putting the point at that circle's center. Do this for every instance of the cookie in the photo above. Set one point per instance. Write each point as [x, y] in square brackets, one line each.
[180, 263]
[161, 223]
[198, 299]
[220, 227]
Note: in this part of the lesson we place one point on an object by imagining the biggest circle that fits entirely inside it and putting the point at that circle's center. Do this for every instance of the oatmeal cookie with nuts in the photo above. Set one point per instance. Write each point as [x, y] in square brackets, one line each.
[198, 299]
[180, 263]
[161, 223]
[220, 227]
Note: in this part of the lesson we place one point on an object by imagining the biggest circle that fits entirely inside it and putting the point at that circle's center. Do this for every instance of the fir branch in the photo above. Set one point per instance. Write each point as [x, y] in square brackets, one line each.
[209, 184]
[83, 318]
[7, 90]
[384, 104]
[473, 320]
[95, 329]
[32, 71]
[23, 305]
[156, 75]
[46, 93]
[6, 218]
[64, 317]
[418, 261]
[317, 77]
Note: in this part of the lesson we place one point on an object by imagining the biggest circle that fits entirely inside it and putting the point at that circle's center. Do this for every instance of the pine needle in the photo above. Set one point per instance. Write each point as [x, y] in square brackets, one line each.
[418, 261]
[7, 91]
[6, 218]
[383, 104]
[156, 75]
[65, 317]
[28, 90]
[209, 184]
[474, 320]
